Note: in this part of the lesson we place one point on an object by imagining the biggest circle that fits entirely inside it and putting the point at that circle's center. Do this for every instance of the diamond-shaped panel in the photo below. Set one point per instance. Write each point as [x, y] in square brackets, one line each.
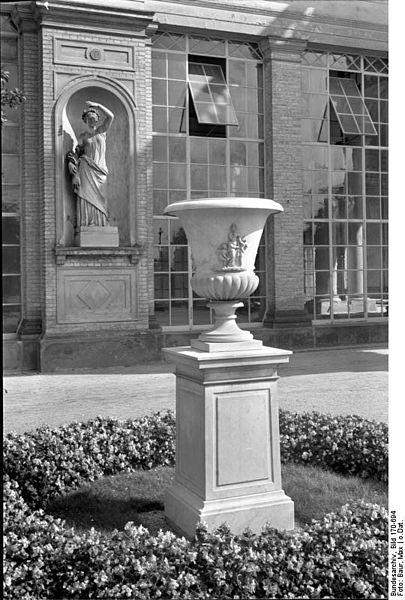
[94, 295]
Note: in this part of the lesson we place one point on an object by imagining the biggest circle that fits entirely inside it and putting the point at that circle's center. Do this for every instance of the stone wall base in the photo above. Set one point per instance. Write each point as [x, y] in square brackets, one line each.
[95, 351]
[80, 351]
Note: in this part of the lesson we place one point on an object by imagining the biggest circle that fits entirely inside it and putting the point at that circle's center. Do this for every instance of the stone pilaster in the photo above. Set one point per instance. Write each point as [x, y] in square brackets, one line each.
[30, 326]
[283, 98]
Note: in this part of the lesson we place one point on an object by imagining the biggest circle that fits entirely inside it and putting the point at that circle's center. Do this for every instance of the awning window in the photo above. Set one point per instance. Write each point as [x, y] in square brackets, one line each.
[351, 111]
[210, 93]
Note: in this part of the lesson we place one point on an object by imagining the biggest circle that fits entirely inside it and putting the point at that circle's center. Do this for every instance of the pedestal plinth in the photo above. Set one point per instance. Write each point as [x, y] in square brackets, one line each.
[228, 448]
[97, 237]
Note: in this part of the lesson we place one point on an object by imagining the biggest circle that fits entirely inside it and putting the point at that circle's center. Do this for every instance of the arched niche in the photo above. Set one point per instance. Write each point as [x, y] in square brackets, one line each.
[120, 155]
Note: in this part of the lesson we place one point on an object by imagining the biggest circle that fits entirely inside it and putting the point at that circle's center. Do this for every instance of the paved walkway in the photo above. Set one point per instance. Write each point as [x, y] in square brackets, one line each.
[335, 381]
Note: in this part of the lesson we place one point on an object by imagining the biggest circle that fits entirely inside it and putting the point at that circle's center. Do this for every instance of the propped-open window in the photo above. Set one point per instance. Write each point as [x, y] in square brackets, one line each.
[210, 95]
[349, 107]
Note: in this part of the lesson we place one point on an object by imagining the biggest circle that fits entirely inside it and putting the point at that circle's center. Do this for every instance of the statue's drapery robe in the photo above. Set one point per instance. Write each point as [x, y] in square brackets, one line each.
[91, 202]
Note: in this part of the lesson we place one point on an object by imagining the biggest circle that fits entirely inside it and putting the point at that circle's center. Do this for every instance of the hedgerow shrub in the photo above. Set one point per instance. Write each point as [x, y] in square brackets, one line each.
[47, 462]
[341, 556]
[344, 444]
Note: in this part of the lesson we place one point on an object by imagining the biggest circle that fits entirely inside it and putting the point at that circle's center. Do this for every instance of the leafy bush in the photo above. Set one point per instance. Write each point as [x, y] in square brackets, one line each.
[341, 556]
[345, 444]
[47, 462]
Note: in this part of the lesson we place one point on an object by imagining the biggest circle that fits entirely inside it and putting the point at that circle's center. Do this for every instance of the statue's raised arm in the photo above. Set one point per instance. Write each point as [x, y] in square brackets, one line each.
[105, 112]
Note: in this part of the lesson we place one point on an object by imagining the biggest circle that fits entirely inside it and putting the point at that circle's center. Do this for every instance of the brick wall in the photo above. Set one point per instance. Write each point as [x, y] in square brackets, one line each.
[284, 174]
[30, 221]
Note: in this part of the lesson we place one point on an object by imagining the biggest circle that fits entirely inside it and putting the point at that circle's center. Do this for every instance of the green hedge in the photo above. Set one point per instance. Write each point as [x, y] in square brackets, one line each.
[341, 556]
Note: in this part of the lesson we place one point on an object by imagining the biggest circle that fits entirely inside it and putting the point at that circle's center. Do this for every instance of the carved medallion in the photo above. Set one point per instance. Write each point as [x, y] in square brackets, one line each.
[95, 54]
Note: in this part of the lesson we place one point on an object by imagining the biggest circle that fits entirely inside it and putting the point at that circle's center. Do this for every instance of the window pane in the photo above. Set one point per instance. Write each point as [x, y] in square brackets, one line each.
[159, 201]
[177, 93]
[339, 207]
[314, 105]
[320, 207]
[10, 169]
[179, 258]
[372, 184]
[11, 318]
[217, 178]
[159, 144]
[217, 152]
[237, 72]
[159, 64]
[179, 313]
[159, 118]
[161, 263]
[177, 176]
[11, 230]
[177, 66]
[160, 175]
[339, 234]
[355, 207]
[159, 92]
[177, 149]
[10, 139]
[161, 286]
[356, 232]
[162, 313]
[11, 259]
[198, 150]
[237, 153]
[11, 289]
[179, 285]
[10, 199]
[201, 313]
[177, 233]
[199, 177]
[370, 86]
[177, 120]
[373, 234]
[321, 234]
[160, 231]
[210, 95]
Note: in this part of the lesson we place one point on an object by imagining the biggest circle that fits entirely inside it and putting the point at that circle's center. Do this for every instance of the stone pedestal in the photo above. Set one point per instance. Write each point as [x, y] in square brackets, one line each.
[97, 237]
[228, 450]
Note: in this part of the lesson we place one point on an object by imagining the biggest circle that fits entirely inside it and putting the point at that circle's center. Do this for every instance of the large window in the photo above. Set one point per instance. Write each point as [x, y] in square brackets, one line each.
[345, 186]
[207, 142]
[10, 137]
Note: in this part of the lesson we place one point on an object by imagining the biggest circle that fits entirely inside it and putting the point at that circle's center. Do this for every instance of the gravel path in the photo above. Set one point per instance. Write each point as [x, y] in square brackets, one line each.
[342, 381]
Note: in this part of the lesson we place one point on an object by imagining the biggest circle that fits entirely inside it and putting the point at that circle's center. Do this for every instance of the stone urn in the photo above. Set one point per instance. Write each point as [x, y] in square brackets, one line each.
[224, 235]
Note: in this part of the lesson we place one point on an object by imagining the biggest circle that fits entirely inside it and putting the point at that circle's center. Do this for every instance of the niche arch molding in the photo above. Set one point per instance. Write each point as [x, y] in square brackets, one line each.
[99, 87]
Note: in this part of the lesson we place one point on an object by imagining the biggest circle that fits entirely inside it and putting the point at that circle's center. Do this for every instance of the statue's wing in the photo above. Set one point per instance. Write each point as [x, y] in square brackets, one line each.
[69, 137]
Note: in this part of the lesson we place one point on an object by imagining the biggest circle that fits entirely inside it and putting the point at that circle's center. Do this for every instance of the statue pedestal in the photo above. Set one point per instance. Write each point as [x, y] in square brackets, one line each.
[228, 448]
[97, 237]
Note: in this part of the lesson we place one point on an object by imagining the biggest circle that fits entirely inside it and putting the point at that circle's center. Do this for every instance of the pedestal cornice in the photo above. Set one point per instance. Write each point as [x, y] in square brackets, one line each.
[210, 368]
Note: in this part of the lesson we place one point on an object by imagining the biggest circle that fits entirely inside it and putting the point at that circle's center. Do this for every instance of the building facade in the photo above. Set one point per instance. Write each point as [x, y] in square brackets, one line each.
[281, 100]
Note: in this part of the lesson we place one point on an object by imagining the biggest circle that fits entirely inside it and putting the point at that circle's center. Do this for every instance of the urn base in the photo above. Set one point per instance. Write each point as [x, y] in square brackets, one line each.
[225, 335]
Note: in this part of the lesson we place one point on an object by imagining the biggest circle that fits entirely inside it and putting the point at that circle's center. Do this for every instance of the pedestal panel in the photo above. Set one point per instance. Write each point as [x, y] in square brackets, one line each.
[242, 437]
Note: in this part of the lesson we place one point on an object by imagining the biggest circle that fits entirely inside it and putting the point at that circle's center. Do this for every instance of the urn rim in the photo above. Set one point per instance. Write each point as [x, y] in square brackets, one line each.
[233, 202]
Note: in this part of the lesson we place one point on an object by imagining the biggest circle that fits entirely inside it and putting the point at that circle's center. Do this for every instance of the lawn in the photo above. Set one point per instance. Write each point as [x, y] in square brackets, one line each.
[110, 502]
